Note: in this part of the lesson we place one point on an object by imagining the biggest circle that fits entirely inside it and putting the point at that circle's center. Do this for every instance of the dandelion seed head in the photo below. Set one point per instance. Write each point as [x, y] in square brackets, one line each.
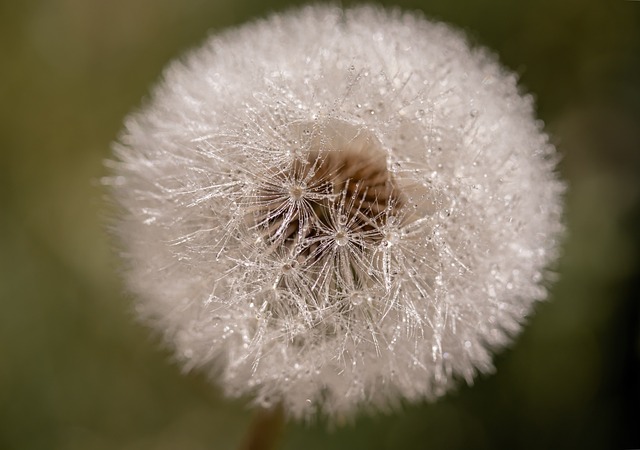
[337, 209]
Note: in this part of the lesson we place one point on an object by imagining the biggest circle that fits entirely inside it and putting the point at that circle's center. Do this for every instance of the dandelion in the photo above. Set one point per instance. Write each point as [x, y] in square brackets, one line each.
[333, 210]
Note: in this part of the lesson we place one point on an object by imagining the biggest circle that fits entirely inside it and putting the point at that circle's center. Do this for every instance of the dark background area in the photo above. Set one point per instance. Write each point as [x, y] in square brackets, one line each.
[77, 372]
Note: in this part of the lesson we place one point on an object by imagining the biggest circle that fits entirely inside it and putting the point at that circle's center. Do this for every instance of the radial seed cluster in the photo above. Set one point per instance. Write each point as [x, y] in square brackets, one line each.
[329, 209]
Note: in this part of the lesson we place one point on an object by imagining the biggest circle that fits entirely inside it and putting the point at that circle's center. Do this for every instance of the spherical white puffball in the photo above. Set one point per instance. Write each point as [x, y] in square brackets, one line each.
[333, 210]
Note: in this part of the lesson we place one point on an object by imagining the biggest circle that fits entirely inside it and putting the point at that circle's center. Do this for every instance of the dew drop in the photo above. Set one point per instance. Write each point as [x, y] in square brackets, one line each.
[357, 298]
[444, 213]
[392, 238]
[296, 192]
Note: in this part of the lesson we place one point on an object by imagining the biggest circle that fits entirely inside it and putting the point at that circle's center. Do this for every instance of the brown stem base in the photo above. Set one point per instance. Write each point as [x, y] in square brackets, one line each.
[265, 430]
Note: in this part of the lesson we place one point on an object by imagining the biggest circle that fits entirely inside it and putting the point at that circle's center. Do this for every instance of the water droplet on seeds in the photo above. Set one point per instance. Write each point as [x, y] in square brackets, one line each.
[357, 298]
[341, 238]
[296, 192]
[392, 238]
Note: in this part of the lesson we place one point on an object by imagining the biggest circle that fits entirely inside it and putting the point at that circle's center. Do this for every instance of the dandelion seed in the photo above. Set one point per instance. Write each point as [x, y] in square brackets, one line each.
[329, 209]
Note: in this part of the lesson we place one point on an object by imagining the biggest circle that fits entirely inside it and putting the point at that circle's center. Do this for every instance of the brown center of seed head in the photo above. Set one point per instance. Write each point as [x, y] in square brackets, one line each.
[340, 188]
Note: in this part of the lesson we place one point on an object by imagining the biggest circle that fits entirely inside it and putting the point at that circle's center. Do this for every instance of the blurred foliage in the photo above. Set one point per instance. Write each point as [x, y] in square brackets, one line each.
[77, 372]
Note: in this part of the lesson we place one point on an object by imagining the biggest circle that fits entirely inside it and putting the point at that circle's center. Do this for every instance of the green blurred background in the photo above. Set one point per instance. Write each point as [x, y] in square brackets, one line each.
[77, 372]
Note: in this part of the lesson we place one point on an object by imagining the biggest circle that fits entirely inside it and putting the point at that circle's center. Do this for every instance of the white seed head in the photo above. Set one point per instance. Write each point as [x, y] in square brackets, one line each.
[334, 209]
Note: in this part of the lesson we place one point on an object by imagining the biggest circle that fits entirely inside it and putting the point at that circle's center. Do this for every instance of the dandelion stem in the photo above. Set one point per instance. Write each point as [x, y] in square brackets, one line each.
[265, 430]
